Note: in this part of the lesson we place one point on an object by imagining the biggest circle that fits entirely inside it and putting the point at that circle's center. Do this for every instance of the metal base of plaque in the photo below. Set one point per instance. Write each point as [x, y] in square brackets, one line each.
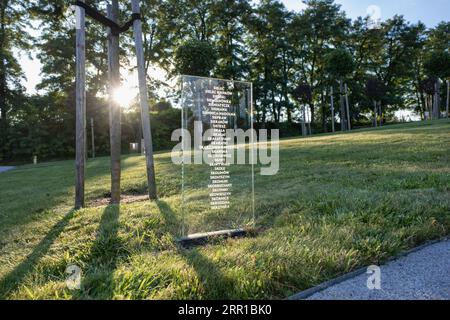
[200, 239]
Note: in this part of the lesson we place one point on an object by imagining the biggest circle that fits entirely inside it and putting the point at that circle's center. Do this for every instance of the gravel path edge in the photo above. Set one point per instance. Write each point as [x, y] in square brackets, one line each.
[303, 295]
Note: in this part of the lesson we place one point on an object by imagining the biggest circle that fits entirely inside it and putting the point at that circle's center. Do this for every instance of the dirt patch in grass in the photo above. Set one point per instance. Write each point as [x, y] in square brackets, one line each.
[124, 199]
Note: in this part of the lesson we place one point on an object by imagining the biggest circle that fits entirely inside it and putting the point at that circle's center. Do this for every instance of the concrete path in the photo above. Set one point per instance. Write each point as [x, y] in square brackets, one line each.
[421, 275]
[4, 169]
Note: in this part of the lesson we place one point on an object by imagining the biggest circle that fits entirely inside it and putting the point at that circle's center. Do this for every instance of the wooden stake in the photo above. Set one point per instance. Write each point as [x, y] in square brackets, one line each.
[114, 107]
[348, 108]
[92, 138]
[375, 114]
[342, 105]
[380, 109]
[448, 98]
[332, 109]
[437, 100]
[145, 115]
[304, 133]
[80, 143]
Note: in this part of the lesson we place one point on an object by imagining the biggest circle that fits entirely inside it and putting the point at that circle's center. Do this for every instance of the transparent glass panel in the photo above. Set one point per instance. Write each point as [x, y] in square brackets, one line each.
[218, 155]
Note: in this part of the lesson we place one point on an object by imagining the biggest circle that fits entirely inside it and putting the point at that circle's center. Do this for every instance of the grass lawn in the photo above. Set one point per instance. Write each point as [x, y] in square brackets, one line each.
[338, 203]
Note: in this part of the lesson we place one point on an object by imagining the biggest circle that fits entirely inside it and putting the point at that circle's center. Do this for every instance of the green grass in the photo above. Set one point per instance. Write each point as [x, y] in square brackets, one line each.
[339, 202]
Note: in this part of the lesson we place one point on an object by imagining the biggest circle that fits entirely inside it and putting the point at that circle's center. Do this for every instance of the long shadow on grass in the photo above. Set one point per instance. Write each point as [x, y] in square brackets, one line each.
[12, 280]
[215, 283]
[105, 253]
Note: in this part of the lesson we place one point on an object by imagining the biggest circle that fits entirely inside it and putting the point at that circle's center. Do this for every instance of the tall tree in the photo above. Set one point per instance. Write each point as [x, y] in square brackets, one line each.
[271, 58]
[229, 29]
[339, 65]
[320, 26]
[14, 19]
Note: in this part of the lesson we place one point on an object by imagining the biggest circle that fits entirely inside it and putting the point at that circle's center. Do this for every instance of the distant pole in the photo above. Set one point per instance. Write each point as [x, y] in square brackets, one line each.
[448, 99]
[437, 100]
[309, 122]
[380, 109]
[145, 115]
[341, 102]
[114, 107]
[80, 143]
[92, 138]
[375, 113]
[304, 133]
[332, 109]
[348, 108]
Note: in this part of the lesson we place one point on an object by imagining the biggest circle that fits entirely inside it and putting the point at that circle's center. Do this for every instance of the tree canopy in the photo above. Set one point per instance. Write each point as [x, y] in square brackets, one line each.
[263, 42]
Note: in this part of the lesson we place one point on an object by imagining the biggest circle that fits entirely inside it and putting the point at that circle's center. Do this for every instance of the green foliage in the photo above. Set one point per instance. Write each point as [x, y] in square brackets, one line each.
[162, 106]
[375, 89]
[163, 124]
[339, 63]
[260, 42]
[195, 58]
[303, 93]
[438, 64]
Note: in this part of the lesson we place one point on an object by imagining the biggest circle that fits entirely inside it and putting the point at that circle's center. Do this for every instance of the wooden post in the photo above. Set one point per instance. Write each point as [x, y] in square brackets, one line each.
[380, 109]
[332, 109]
[341, 101]
[80, 143]
[349, 124]
[114, 107]
[375, 114]
[143, 95]
[304, 133]
[437, 100]
[92, 138]
[448, 98]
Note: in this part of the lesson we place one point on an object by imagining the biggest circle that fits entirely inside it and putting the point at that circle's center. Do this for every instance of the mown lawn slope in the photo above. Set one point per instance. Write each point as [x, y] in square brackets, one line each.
[339, 202]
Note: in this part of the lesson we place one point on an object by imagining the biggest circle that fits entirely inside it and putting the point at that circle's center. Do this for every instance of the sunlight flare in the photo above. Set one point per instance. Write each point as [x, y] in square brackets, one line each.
[125, 96]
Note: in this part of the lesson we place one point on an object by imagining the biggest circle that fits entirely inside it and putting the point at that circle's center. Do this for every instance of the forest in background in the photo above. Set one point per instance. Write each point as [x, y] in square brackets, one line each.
[266, 44]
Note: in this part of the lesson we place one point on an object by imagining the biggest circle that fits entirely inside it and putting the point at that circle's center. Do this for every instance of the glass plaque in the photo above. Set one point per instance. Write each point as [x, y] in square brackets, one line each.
[217, 155]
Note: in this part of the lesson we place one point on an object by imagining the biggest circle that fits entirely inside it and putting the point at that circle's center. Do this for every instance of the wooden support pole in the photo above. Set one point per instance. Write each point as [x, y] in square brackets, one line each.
[332, 109]
[342, 105]
[380, 109]
[375, 114]
[448, 98]
[303, 123]
[92, 138]
[437, 100]
[80, 143]
[143, 94]
[114, 107]
[349, 124]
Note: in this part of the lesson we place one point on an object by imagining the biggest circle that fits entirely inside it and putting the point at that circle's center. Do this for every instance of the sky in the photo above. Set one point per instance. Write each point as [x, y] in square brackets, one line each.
[431, 12]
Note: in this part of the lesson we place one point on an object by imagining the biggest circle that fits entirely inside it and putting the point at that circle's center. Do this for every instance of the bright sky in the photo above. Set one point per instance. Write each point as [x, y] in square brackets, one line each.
[431, 12]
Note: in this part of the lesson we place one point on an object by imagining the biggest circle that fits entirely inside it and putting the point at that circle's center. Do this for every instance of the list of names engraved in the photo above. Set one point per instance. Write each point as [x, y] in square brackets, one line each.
[218, 108]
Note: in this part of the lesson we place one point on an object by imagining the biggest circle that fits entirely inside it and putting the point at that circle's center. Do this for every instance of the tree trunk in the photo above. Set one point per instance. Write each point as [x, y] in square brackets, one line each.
[3, 86]
[92, 138]
[303, 122]
[114, 107]
[448, 99]
[437, 100]
[380, 109]
[324, 111]
[145, 115]
[332, 110]
[274, 108]
[349, 125]
[342, 105]
[375, 114]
